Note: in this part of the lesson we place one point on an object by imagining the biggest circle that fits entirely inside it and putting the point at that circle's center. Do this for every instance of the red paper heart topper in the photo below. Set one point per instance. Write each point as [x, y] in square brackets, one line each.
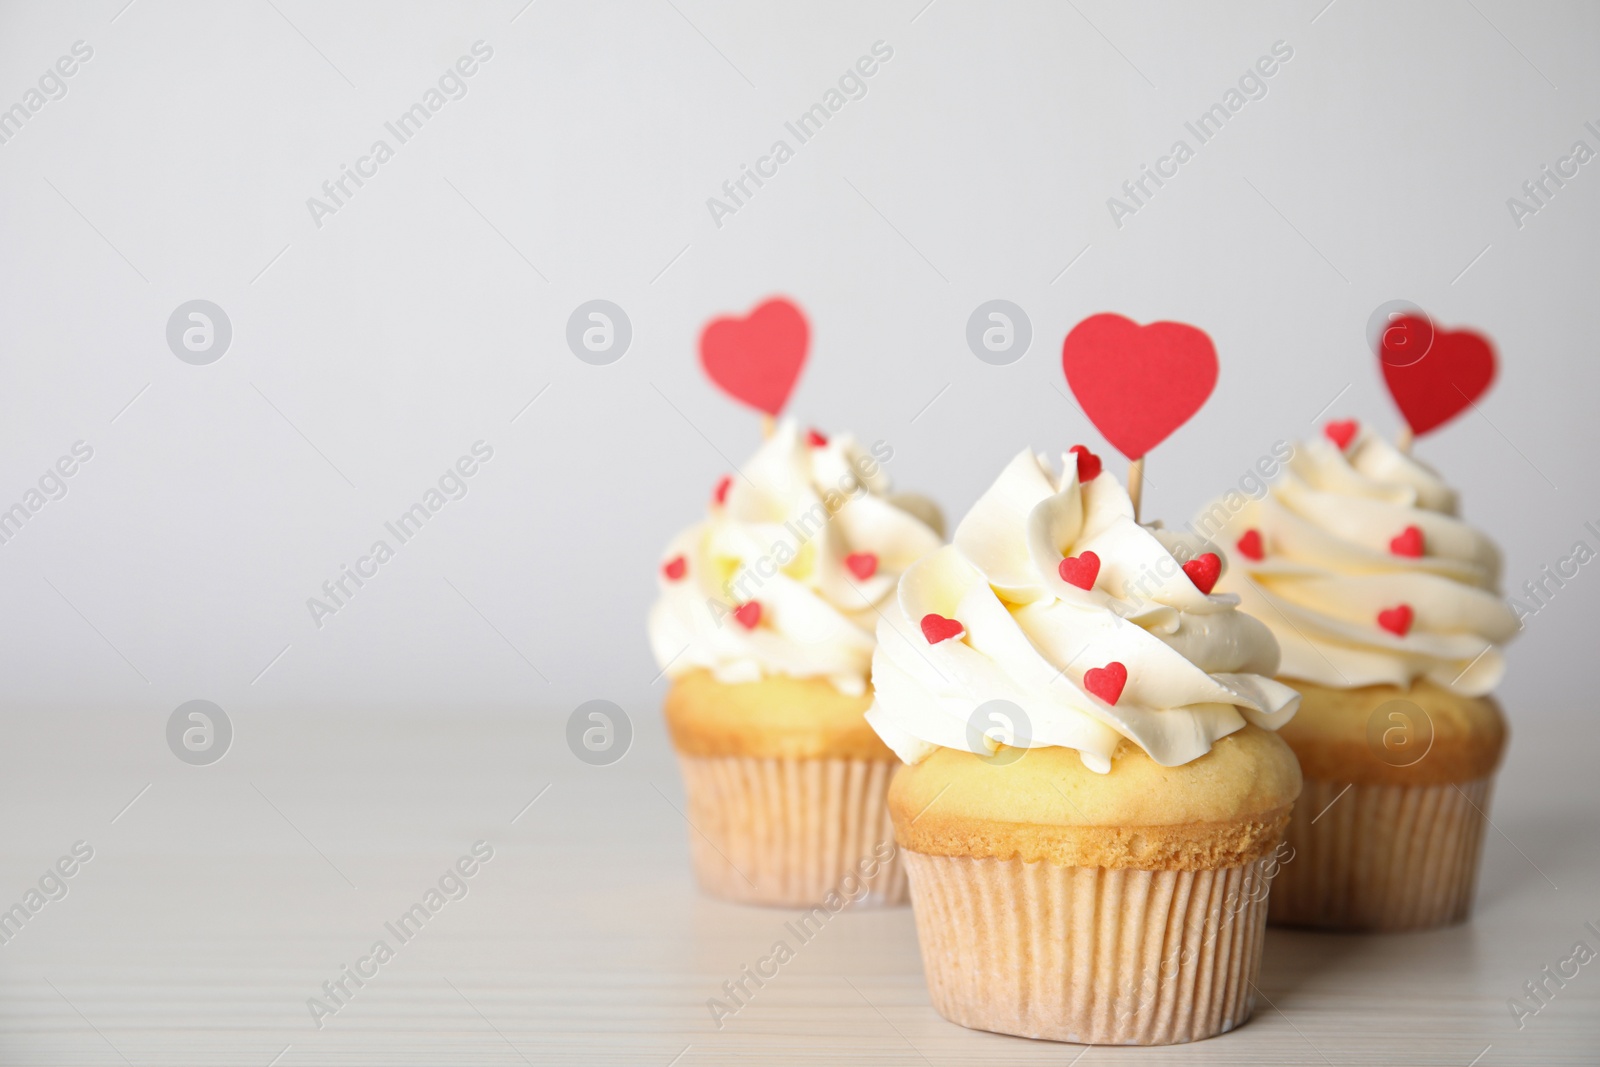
[757, 359]
[1138, 383]
[1455, 370]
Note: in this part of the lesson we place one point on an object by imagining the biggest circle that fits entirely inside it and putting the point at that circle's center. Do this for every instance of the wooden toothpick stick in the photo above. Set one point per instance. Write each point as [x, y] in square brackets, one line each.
[769, 426]
[1403, 440]
[1136, 484]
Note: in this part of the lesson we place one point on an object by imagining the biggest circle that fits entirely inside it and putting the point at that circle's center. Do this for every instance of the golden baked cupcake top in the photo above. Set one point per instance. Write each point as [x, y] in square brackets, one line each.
[1357, 562]
[1385, 735]
[1081, 626]
[1225, 808]
[776, 718]
[786, 574]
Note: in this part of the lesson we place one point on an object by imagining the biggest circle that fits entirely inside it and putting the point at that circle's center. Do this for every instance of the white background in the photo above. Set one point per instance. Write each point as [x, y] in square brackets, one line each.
[405, 328]
[369, 353]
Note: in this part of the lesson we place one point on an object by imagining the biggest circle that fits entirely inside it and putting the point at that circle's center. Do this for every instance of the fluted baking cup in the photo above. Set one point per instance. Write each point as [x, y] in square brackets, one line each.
[1381, 857]
[792, 831]
[1090, 954]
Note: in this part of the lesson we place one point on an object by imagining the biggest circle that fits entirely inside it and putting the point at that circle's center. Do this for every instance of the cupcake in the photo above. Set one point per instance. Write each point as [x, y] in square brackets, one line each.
[1385, 605]
[765, 627]
[1094, 793]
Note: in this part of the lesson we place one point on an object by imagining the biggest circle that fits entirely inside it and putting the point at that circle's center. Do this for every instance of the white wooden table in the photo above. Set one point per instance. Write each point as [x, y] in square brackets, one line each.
[224, 896]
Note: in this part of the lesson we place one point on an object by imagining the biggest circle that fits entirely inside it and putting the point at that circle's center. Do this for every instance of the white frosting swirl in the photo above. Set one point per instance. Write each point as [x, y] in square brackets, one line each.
[1328, 567]
[1196, 668]
[793, 534]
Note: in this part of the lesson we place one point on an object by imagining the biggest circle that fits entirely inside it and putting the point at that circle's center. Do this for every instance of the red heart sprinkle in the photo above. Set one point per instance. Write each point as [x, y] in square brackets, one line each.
[1396, 620]
[675, 568]
[1341, 432]
[1409, 543]
[722, 488]
[937, 628]
[1080, 570]
[1250, 546]
[1106, 682]
[748, 614]
[1089, 464]
[1203, 571]
[862, 564]
[815, 439]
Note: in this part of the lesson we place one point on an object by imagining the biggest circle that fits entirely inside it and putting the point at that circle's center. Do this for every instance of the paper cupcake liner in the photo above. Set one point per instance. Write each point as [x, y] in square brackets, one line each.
[791, 831]
[1381, 857]
[1089, 954]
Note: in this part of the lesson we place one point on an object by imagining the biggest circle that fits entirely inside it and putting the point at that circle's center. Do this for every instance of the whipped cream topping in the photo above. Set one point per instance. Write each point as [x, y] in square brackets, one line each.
[1356, 560]
[1197, 669]
[787, 573]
